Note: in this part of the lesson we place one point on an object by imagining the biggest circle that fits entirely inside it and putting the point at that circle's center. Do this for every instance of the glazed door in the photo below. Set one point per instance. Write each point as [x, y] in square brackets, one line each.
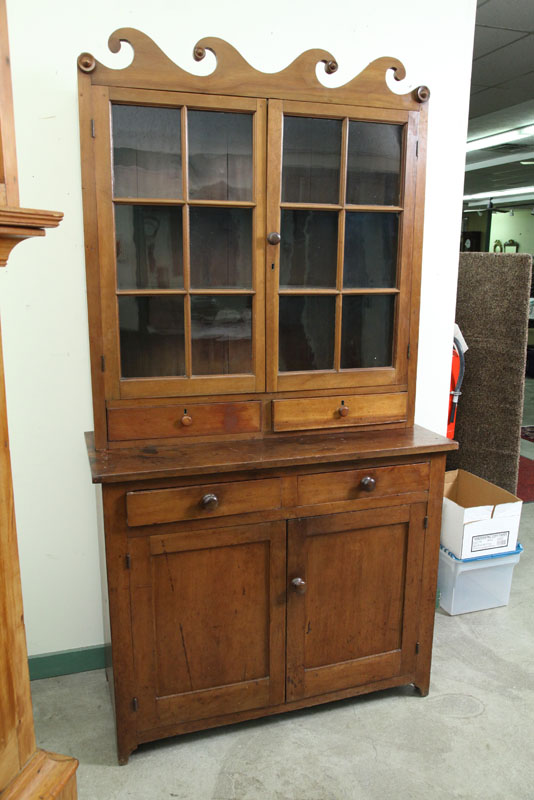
[353, 595]
[208, 622]
[341, 196]
[180, 202]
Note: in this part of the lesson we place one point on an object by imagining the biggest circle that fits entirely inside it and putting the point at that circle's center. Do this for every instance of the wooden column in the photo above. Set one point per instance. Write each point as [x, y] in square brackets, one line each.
[25, 771]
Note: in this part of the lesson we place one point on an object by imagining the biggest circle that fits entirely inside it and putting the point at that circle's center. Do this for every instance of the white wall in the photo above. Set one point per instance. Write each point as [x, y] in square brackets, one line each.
[42, 293]
[520, 228]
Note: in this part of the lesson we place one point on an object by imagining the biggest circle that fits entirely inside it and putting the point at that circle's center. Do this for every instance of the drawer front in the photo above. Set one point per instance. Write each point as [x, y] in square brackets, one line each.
[197, 419]
[338, 411]
[356, 484]
[202, 502]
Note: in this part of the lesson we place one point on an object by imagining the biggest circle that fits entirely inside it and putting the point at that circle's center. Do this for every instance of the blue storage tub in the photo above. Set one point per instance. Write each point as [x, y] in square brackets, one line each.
[474, 584]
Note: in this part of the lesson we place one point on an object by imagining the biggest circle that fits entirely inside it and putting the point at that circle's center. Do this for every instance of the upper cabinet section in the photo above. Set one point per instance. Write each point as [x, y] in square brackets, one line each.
[248, 232]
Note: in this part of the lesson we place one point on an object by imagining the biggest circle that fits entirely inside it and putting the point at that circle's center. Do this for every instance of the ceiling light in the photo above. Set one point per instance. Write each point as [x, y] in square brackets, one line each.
[500, 193]
[499, 138]
[526, 162]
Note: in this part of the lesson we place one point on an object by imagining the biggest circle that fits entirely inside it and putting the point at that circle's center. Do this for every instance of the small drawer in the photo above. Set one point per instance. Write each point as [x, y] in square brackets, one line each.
[156, 506]
[357, 484]
[195, 419]
[339, 411]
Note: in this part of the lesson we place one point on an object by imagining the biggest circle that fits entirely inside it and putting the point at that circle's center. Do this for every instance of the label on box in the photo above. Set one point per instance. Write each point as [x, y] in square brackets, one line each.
[490, 541]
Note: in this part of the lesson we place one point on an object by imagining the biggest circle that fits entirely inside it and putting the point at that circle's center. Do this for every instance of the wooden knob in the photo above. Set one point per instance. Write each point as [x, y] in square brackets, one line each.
[298, 585]
[187, 420]
[209, 501]
[343, 411]
[368, 483]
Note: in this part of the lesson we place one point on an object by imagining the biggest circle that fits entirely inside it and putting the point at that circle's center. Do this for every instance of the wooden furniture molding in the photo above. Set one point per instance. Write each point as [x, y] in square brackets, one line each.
[233, 75]
[18, 224]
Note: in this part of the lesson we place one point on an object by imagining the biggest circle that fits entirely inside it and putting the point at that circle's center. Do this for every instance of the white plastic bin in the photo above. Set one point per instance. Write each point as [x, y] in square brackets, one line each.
[473, 584]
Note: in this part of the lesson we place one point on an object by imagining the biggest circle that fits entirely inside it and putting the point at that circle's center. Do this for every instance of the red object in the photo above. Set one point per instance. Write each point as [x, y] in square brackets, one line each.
[453, 401]
[525, 481]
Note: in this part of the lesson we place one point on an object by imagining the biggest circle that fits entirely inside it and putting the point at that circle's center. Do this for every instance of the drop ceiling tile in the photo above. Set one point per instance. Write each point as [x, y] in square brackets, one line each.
[489, 39]
[510, 61]
[525, 81]
[505, 176]
[494, 99]
[511, 14]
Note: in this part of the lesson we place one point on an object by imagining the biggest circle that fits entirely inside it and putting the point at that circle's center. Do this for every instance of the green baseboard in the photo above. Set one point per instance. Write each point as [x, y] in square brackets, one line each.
[65, 662]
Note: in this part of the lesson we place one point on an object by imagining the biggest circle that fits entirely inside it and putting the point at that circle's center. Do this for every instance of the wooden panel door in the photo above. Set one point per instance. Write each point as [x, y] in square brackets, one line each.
[341, 194]
[208, 622]
[353, 595]
[180, 211]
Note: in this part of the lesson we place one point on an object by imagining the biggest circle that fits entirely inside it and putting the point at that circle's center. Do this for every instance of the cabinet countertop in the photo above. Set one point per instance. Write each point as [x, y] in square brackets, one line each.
[144, 463]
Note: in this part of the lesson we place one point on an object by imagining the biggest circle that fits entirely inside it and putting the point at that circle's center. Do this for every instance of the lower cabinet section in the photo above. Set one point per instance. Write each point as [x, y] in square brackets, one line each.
[240, 621]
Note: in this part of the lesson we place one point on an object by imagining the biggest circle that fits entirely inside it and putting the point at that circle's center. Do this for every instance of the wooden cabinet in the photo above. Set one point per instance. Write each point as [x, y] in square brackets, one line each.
[272, 515]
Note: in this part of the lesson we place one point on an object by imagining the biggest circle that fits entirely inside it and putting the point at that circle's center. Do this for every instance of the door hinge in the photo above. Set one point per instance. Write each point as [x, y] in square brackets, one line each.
[408, 351]
[417, 149]
[103, 363]
[135, 704]
[425, 523]
[93, 134]
[416, 648]
[128, 560]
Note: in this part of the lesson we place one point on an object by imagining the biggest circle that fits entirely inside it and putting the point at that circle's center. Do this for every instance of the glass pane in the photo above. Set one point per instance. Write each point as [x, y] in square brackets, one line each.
[367, 331]
[370, 250]
[221, 247]
[149, 247]
[308, 250]
[306, 336]
[374, 162]
[220, 155]
[221, 333]
[152, 336]
[147, 158]
[311, 159]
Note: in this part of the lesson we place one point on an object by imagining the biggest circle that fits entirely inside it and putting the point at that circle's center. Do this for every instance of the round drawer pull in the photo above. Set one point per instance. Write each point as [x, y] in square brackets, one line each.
[298, 585]
[368, 483]
[343, 411]
[274, 238]
[209, 501]
[187, 420]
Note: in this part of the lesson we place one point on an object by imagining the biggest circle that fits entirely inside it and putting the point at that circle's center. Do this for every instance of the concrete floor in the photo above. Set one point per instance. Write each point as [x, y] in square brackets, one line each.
[472, 737]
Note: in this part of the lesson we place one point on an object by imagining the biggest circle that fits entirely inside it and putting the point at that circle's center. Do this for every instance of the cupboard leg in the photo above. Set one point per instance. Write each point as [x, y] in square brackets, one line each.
[423, 687]
[125, 748]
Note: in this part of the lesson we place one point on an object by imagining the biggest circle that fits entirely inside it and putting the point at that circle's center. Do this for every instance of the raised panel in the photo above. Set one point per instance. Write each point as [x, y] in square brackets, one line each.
[198, 636]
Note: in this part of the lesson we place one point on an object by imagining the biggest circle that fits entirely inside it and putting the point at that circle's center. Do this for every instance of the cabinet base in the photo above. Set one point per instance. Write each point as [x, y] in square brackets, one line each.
[256, 713]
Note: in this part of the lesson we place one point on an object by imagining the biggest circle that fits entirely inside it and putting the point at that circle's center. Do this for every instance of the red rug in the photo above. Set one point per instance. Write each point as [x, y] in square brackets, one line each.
[525, 483]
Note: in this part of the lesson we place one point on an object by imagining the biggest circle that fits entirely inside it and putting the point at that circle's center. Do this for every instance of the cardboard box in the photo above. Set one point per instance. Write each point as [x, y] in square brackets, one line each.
[479, 518]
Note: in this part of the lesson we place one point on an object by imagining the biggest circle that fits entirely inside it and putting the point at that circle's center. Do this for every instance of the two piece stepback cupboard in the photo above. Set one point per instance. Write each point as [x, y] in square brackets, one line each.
[253, 247]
